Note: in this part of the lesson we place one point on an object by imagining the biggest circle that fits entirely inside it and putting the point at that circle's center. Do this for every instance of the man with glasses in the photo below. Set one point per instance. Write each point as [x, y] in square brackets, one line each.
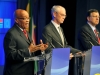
[18, 46]
[89, 35]
[53, 33]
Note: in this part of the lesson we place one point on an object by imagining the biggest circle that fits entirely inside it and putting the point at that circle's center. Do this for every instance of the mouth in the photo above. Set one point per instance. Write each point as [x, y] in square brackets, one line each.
[27, 24]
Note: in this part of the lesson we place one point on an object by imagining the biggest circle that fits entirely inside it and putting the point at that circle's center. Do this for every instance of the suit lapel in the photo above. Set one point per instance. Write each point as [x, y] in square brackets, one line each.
[56, 34]
[29, 38]
[92, 33]
[22, 34]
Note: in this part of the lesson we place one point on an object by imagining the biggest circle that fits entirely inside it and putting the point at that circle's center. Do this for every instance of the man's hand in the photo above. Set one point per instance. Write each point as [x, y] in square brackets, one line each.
[71, 56]
[33, 48]
[81, 54]
[43, 46]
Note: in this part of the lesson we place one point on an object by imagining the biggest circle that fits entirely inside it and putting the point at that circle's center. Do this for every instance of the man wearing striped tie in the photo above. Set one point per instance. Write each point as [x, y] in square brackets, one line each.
[89, 35]
[53, 33]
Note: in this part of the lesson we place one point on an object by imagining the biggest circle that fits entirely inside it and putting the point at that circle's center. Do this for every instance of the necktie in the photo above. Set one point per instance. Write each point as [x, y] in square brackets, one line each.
[25, 33]
[96, 34]
[61, 35]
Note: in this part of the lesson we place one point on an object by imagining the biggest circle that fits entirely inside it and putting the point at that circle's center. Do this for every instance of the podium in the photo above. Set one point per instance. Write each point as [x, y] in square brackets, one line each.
[39, 61]
[92, 61]
[58, 64]
[35, 58]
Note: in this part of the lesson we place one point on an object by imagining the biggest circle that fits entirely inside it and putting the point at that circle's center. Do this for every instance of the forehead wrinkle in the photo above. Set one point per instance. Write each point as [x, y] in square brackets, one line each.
[18, 12]
[21, 13]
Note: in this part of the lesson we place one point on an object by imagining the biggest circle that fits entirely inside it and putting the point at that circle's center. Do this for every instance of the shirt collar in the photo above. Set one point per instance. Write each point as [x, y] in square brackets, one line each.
[55, 24]
[93, 27]
[20, 28]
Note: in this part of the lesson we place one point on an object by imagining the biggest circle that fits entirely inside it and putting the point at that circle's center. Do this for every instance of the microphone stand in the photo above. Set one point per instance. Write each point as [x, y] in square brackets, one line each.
[49, 54]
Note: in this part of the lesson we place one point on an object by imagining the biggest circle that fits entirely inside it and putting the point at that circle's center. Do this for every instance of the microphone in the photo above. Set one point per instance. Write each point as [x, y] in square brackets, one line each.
[49, 55]
[55, 40]
[58, 43]
[90, 37]
[48, 41]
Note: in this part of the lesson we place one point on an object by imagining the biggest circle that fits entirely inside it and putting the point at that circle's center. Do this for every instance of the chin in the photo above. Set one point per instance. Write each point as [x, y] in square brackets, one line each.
[61, 22]
[27, 27]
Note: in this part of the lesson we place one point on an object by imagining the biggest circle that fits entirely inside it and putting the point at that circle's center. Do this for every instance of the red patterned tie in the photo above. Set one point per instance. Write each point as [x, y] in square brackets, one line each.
[96, 33]
[25, 33]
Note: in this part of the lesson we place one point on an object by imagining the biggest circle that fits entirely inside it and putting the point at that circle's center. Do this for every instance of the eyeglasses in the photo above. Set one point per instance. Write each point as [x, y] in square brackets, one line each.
[24, 18]
[63, 15]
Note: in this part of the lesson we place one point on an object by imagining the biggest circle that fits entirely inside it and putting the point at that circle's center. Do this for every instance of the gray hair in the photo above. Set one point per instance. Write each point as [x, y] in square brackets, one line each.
[56, 8]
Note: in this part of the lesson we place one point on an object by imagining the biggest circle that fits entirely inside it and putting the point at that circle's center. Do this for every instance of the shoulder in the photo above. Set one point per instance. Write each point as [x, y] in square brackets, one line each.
[48, 26]
[12, 32]
[85, 27]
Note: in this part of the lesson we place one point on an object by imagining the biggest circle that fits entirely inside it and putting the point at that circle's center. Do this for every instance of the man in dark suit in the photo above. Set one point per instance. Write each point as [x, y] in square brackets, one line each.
[87, 37]
[17, 47]
[53, 33]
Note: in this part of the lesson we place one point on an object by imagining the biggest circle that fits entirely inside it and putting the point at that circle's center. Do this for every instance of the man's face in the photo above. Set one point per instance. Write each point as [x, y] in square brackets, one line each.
[60, 16]
[23, 20]
[93, 18]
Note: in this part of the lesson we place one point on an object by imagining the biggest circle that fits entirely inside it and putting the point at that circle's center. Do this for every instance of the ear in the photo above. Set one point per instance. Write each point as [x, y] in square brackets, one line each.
[88, 18]
[54, 14]
[16, 20]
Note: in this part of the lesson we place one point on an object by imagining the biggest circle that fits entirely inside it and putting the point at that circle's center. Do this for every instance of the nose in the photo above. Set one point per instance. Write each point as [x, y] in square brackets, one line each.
[27, 20]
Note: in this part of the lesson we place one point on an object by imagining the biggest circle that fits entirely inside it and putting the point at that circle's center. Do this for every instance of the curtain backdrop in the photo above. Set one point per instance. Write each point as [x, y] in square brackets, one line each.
[82, 7]
[38, 8]
[39, 11]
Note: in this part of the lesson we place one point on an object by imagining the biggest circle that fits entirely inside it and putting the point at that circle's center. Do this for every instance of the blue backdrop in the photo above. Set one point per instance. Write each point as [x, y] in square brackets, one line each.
[7, 8]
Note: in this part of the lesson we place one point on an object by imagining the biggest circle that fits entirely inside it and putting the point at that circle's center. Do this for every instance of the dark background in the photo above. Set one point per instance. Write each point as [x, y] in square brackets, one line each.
[69, 23]
[76, 17]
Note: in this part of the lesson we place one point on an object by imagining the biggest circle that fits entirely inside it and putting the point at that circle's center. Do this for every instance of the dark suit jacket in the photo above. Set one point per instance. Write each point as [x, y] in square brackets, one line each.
[16, 49]
[51, 35]
[87, 38]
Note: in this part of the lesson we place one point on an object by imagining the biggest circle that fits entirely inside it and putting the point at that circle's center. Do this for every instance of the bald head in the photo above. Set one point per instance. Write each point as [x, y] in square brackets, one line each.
[19, 12]
[22, 18]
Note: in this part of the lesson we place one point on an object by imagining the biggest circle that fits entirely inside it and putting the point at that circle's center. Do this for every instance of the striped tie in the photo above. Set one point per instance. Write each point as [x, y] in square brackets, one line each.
[96, 34]
[61, 35]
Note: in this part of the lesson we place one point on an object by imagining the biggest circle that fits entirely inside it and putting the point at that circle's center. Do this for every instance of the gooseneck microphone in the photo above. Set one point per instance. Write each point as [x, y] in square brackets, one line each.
[55, 40]
[49, 55]
[86, 37]
[84, 33]
[48, 41]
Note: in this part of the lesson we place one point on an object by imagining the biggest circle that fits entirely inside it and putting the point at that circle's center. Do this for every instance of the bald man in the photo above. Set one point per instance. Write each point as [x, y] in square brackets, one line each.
[17, 46]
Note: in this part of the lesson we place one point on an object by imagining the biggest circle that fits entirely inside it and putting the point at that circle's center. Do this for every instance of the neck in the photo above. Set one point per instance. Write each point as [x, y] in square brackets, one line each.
[56, 21]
